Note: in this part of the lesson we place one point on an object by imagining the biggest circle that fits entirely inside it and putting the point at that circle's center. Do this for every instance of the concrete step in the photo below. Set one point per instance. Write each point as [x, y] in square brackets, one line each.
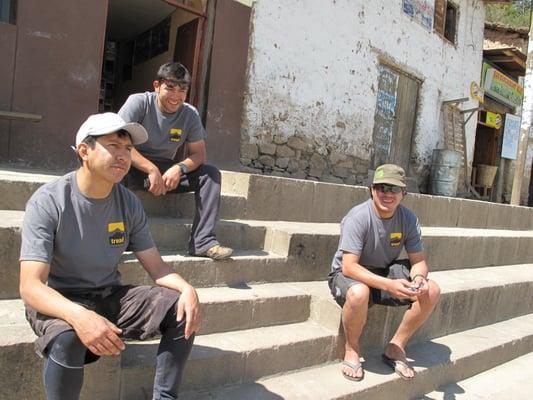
[19, 185]
[259, 197]
[307, 249]
[511, 380]
[251, 308]
[244, 267]
[234, 357]
[447, 359]
[470, 298]
[224, 309]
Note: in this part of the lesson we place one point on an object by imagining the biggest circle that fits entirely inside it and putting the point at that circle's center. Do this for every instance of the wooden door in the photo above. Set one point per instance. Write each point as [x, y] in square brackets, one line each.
[187, 52]
[394, 118]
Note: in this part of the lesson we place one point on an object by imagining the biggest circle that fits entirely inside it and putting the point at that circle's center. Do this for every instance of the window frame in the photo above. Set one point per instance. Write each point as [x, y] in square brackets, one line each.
[11, 17]
[441, 20]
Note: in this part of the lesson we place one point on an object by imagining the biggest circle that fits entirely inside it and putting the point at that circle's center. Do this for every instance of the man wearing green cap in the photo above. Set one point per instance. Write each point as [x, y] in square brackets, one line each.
[366, 270]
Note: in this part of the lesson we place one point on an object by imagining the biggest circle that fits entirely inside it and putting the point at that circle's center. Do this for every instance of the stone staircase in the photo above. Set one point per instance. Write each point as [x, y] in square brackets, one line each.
[271, 329]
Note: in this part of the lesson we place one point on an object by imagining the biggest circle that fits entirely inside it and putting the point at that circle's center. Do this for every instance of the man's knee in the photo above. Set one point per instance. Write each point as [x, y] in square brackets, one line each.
[357, 295]
[433, 292]
[432, 296]
[67, 350]
[212, 172]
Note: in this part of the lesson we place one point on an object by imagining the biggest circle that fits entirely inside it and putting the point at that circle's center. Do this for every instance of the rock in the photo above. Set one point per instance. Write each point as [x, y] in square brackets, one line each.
[267, 148]
[250, 151]
[284, 151]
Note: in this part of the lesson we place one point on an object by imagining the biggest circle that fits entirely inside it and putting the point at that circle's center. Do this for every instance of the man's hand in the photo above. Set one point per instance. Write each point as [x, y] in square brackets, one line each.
[421, 284]
[98, 334]
[188, 305]
[401, 288]
[171, 177]
[157, 184]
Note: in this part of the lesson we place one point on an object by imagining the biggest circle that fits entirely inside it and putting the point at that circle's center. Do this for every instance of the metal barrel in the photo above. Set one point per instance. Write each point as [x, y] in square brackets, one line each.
[444, 173]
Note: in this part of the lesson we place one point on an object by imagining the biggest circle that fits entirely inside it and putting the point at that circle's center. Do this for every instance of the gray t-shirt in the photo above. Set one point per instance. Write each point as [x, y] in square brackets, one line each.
[82, 239]
[377, 242]
[166, 132]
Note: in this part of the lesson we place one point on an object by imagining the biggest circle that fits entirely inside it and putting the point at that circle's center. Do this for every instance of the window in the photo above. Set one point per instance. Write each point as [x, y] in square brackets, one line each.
[445, 20]
[7, 11]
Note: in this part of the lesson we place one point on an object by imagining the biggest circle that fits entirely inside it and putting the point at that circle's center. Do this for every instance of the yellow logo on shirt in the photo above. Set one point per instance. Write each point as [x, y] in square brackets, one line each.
[118, 235]
[175, 134]
[395, 239]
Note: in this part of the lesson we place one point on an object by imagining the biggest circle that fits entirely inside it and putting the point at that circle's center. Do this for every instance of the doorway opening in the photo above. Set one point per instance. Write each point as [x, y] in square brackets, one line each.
[140, 36]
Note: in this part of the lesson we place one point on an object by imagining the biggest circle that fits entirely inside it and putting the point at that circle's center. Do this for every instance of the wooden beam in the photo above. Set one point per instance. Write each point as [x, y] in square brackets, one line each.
[461, 100]
[17, 116]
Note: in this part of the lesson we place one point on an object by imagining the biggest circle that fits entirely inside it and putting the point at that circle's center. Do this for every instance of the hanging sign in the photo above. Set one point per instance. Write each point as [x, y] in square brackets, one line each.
[493, 120]
[502, 87]
[476, 92]
[511, 135]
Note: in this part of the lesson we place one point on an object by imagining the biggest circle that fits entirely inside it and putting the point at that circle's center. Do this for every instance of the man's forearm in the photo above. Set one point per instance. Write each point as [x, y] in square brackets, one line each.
[49, 301]
[361, 274]
[140, 162]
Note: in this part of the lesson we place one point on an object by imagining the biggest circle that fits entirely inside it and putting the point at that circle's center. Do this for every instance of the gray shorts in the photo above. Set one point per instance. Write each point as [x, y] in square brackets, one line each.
[137, 310]
[339, 284]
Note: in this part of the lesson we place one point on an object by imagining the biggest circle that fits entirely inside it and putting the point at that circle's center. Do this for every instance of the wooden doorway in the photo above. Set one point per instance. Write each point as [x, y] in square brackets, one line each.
[394, 118]
[187, 51]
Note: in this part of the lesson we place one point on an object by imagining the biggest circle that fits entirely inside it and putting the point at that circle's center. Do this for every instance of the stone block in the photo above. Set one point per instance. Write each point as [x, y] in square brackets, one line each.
[250, 151]
[335, 157]
[341, 172]
[267, 148]
[267, 161]
[282, 162]
[284, 151]
[297, 143]
[279, 139]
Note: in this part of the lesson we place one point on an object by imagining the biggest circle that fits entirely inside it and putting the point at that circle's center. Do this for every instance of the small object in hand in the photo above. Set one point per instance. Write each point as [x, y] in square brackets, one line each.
[146, 183]
[413, 288]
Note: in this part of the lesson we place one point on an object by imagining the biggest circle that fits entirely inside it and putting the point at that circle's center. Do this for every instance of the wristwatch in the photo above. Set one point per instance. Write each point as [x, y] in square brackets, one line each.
[183, 168]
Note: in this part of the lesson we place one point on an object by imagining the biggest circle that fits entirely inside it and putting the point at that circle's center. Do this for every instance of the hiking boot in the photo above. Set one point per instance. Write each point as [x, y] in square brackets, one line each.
[217, 252]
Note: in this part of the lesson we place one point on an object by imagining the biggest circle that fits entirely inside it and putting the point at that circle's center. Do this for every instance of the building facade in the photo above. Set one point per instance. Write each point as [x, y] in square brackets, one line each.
[336, 87]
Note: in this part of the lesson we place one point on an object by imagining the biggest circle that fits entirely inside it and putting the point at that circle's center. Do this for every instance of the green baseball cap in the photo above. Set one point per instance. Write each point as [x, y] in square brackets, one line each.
[390, 174]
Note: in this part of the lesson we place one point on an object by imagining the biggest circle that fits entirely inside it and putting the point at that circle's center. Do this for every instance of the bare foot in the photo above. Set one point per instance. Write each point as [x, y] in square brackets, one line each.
[351, 367]
[395, 357]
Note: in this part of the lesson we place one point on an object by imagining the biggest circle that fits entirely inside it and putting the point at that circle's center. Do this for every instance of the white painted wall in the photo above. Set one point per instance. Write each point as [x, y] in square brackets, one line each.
[313, 70]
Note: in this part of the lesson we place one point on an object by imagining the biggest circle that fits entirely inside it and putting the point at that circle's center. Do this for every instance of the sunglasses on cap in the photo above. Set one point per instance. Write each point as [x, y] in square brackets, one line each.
[384, 188]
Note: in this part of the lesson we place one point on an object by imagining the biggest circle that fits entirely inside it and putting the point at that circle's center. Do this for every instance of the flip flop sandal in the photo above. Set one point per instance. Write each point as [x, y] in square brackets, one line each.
[394, 364]
[354, 367]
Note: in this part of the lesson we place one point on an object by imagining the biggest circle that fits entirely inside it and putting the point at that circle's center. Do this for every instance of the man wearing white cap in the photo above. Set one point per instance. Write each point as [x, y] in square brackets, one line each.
[75, 230]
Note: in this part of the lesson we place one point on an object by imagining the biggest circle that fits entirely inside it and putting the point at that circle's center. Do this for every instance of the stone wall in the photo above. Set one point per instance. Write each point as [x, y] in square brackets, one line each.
[297, 157]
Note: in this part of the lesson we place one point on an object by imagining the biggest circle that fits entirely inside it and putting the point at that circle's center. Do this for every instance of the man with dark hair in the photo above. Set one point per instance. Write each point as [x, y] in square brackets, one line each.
[170, 123]
[74, 232]
[366, 271]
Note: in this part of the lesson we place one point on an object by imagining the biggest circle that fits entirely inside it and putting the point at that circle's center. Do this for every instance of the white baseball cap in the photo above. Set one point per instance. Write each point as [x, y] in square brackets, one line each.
[106, 123]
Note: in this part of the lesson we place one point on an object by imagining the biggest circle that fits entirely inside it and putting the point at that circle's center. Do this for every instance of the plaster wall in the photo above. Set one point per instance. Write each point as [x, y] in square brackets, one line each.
[313, 75]
[527, 118]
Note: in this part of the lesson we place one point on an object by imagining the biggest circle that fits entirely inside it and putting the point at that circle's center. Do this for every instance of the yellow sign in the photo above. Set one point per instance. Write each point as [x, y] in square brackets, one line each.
[476, 92]
[494, 120]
